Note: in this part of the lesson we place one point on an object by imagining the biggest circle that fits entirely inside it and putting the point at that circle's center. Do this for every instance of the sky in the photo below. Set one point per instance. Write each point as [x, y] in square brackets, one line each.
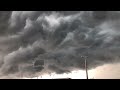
[59, 39]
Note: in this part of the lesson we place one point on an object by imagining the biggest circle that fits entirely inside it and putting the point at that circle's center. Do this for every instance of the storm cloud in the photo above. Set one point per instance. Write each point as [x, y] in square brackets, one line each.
[59, 38]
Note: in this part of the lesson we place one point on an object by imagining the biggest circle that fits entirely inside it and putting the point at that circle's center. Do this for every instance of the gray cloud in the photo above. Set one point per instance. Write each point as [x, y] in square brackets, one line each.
[60, 38]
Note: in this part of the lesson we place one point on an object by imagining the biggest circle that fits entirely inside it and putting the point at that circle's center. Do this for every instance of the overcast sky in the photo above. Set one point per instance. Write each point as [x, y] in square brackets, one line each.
[59, 38]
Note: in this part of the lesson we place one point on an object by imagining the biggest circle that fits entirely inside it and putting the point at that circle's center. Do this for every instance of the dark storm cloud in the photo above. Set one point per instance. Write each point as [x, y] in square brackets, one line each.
[60, 38]
[4, 17]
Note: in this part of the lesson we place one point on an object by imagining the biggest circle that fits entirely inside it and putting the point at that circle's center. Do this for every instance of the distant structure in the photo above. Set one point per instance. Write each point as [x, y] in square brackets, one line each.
[62, 78]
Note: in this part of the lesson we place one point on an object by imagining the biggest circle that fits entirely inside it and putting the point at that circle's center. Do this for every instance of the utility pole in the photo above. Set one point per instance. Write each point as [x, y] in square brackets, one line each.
[86, 68]
[85, 58]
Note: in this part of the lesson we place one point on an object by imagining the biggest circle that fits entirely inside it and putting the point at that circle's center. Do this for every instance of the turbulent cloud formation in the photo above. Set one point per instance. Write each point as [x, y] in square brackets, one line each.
[59, 38]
